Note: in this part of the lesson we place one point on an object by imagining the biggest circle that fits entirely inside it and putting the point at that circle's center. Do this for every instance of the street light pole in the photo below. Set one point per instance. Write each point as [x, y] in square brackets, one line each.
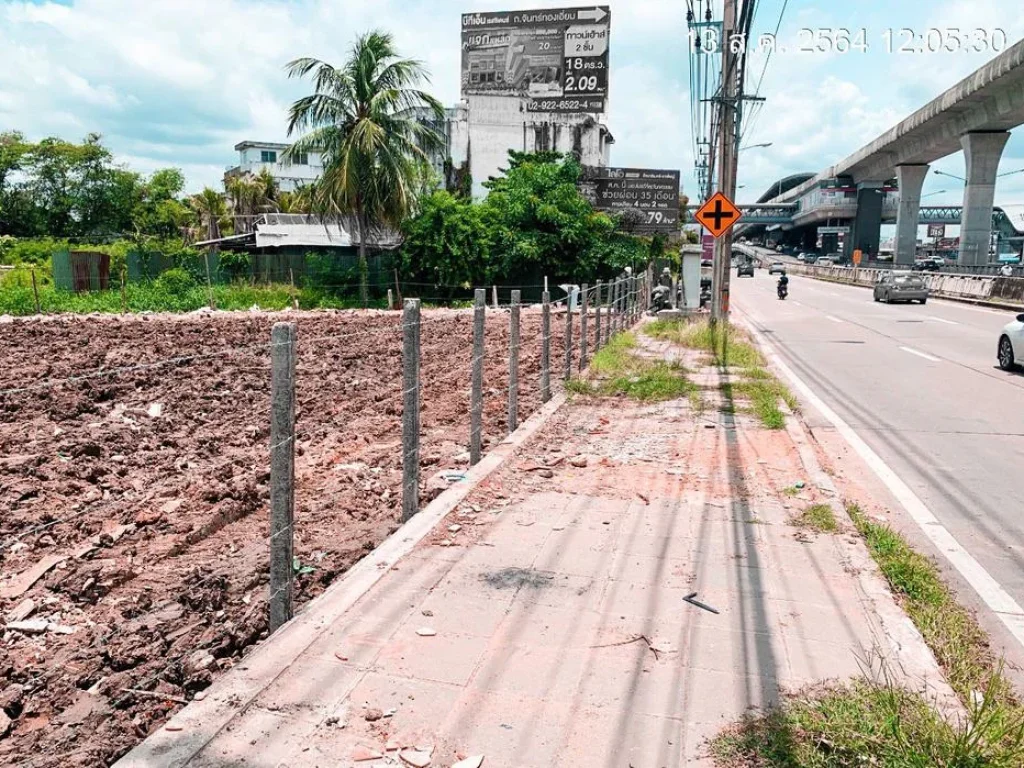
[727, 147]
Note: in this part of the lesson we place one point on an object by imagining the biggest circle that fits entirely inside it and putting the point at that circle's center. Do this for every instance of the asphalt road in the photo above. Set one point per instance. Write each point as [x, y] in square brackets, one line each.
[920, 385]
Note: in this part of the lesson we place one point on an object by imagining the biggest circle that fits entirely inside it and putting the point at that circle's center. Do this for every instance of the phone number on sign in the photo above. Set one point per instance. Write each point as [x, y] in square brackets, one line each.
[842, 40]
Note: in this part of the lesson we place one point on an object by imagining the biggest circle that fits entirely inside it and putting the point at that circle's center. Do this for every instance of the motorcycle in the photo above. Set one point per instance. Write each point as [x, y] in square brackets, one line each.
[660, 298]
[783, 291]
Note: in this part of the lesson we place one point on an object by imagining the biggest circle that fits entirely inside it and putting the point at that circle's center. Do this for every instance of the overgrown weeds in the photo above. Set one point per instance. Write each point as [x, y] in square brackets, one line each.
[618, 370]
[960, 645]
[874, 720]
[817, 517]
[730, 349]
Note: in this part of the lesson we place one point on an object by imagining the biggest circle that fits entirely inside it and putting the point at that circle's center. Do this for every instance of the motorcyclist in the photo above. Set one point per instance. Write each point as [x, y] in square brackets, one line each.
[1006, 270]
[783, 286]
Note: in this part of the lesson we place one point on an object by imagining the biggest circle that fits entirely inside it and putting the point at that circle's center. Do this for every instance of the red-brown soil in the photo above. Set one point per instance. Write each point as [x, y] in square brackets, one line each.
[165, 469]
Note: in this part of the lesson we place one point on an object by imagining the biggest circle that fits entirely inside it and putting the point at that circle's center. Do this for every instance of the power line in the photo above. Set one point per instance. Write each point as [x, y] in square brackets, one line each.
[764, 69]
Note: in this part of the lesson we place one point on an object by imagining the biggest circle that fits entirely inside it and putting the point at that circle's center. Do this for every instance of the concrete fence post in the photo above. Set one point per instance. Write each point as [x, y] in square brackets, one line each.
[410, 408]
[282, 472]
[477, 396]
[673, 302]
[610, 314]
[513, 364]
[545, 346]
[391, 299]
[568, 339]
[494, 296]
[597, 317]
[616, 296]
[584, 336]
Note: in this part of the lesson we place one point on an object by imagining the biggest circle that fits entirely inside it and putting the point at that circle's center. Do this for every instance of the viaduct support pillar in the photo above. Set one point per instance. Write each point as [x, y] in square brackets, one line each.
[982, 151]
[867, 226]
[910, 179]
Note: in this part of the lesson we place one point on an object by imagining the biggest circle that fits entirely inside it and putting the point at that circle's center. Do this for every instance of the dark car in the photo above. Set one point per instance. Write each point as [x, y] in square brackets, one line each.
[745, 269]
[928, 265]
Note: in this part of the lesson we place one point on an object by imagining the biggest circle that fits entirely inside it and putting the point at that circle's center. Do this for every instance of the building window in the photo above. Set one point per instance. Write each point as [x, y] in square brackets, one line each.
[268, 156]
[301, 158]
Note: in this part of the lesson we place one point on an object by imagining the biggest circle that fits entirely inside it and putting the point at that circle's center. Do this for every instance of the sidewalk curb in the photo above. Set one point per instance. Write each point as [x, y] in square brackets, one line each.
[907, 650]
[185, 735]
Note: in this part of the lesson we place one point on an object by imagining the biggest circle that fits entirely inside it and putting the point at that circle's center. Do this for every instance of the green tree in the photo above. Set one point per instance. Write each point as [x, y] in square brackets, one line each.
[250, 196]
[543, 222]
[449, 243]
[160, 211]
[362, 119]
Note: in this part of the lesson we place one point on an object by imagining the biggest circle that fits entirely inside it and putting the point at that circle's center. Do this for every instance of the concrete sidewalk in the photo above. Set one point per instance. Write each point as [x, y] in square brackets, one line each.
[543, 622]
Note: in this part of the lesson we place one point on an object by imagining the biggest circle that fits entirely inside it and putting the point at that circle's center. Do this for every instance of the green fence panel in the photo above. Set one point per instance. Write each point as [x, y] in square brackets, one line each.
[60, 264]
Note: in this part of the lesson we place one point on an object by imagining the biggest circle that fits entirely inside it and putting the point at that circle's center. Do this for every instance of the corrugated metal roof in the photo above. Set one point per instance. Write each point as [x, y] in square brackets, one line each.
[296, 229]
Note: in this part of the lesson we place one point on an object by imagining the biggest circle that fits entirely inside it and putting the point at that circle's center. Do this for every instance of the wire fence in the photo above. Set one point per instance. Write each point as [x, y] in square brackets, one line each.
[177, 487]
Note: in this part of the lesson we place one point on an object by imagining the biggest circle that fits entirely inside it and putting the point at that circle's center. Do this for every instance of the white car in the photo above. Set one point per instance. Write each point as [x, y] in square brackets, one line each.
[1011, 345]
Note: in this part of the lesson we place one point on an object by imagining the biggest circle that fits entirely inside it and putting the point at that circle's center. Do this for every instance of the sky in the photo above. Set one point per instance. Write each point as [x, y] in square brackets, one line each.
[180, 82]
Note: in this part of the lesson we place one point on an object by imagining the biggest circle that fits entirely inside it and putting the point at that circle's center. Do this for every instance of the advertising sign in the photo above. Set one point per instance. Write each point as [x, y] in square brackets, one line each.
[936, 231]
[655, 193]
[833, 230]
[556, 59]
[707, 247]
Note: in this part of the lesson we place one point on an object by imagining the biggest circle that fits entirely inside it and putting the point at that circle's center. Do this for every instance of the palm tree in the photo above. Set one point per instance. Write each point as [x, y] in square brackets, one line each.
[209, 206]
[249, 197]
[362, 119]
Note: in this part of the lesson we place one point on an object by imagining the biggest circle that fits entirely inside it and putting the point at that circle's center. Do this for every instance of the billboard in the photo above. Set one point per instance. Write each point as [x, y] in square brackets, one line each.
[556, 59]
[655, 193]
[936, 231]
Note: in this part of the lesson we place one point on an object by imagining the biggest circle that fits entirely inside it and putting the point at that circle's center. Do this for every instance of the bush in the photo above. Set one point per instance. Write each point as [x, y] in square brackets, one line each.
[175, 281]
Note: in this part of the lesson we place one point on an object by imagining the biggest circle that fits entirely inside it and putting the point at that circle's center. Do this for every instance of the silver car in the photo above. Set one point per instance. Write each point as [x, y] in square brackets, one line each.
[900, 286]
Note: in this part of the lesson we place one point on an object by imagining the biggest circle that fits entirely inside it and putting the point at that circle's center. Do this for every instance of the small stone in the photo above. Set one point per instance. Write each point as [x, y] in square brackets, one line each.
[60, 629]
[547, 474]
[373, 715]
[415, 758]
[30, 627]
[426, 632]
[155, 410]
[427, 613]
[200, 696]
[454, 528]
[22, 610]
[362, 754]
[578, 461]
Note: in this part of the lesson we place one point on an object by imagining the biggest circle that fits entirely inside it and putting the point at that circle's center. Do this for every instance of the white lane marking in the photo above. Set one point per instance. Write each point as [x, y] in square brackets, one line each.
[913, 351]
[797, 303]
[942, 320]
[833, 319]
[990, 591]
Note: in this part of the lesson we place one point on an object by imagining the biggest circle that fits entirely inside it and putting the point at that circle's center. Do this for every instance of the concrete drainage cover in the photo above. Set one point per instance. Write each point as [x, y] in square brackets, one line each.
[515, 578]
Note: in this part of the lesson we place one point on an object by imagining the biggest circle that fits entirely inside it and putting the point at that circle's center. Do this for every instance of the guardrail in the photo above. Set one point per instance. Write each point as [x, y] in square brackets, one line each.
[987, 289]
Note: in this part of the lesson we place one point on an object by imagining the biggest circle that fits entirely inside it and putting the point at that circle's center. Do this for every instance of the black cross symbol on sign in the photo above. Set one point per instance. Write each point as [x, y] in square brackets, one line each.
[718, 214]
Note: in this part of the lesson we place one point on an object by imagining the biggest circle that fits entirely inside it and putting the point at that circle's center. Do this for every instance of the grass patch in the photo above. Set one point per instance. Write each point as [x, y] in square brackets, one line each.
[618, 370]
[818, 517]
[960, 645]
[731, 348]
[869, 724]
[792, 491]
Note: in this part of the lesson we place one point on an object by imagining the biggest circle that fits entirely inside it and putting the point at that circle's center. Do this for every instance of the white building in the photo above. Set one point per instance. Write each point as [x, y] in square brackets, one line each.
[254, 156]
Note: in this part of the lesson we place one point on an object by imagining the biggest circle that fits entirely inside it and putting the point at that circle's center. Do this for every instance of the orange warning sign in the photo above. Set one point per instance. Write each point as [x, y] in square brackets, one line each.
[718, 214]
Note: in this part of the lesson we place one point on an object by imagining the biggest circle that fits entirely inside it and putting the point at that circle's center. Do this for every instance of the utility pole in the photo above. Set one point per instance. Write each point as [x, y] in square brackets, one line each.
[727, 105]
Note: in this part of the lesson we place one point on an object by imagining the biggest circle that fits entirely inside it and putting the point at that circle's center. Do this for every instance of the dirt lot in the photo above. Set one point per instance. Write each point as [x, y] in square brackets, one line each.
[140, 499]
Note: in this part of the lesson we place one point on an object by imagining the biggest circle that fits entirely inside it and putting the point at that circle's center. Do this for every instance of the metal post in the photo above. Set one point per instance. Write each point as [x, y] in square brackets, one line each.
[476, 403]
[597, 316]
[545, 346]
[568, 338]
[282, 472]
[584, 336]
[410, 408]
[513, 365]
